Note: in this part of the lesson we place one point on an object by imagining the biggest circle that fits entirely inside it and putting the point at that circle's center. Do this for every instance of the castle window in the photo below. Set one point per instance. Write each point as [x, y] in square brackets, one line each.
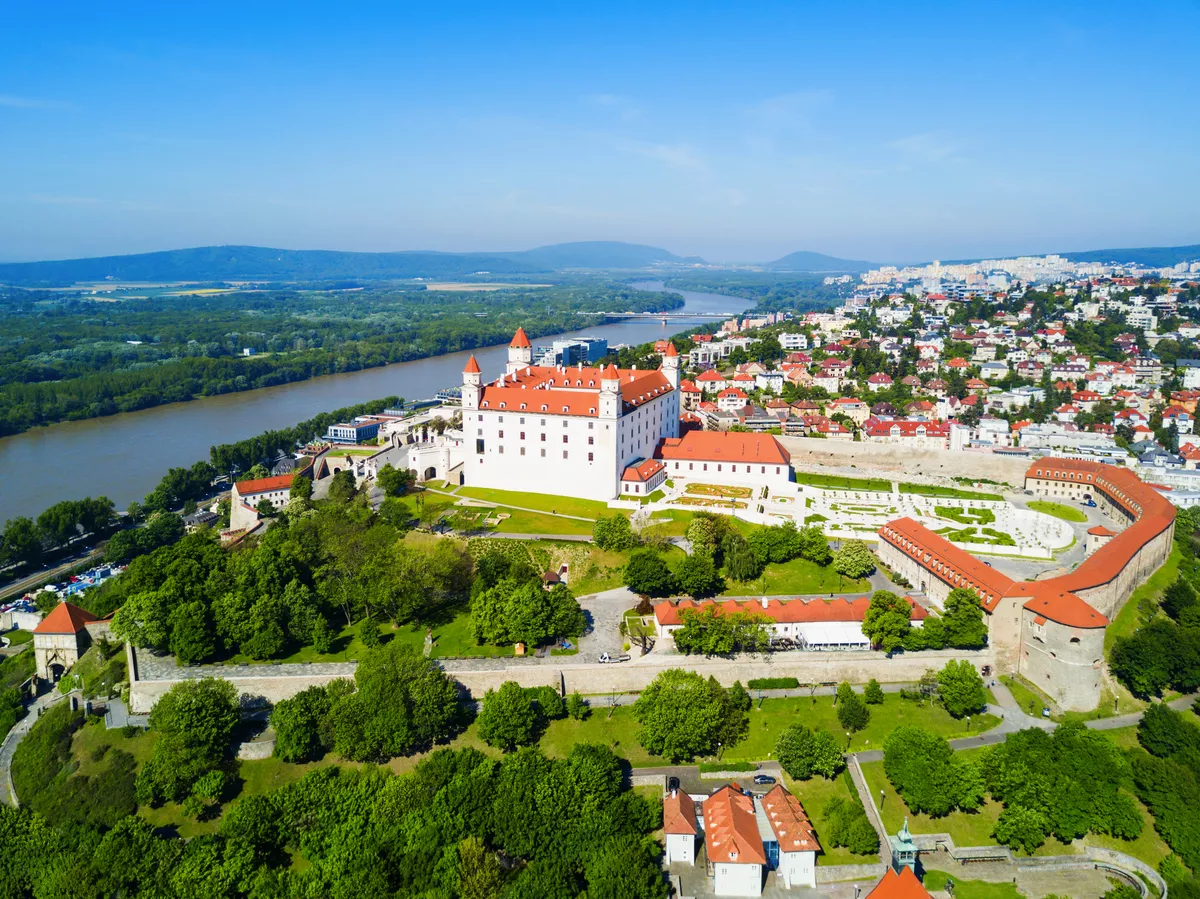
[522, 451]
[543, 452]
[564, 438]
[1074, 639]
[522, 435]
[501, 433]
[564, 454]
[591, 457]
[543, 436]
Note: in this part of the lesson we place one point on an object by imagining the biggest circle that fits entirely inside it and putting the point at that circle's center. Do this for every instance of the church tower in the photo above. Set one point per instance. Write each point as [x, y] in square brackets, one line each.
[520, 352]
[472, 384]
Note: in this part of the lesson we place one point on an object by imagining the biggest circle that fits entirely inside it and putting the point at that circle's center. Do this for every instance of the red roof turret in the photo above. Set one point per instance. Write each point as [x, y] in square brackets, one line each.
[519, 339]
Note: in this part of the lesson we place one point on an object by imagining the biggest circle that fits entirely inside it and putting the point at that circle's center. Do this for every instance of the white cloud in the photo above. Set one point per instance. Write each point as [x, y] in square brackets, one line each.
[790, 110]
[930, 146]
[11, 102]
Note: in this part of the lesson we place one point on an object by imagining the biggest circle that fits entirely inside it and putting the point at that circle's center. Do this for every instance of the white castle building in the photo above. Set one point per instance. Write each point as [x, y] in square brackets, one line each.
[559, 430]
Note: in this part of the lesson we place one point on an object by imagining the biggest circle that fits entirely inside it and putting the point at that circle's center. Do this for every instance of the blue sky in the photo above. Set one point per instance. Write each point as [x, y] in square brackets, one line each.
[883, 131]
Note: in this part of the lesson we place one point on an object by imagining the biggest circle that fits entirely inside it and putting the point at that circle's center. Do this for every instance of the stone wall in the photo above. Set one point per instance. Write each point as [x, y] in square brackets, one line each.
[904, 463]
[1065, 662]
[151, 677]
[839, 873]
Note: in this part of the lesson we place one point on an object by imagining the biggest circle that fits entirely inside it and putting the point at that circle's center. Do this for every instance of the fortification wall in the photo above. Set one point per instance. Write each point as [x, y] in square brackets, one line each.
[903, 462]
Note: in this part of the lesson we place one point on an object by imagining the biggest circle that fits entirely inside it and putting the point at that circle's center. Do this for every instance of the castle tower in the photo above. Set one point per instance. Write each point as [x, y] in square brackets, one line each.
[472, 384]
[520, 352]
[670, 364]
[610, 392]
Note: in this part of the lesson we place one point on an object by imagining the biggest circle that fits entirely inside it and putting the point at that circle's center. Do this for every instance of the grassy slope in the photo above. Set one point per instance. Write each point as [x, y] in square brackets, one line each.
[837, 482]
[797, 576]
[543, 502]
[950, 492]
[1126, 621]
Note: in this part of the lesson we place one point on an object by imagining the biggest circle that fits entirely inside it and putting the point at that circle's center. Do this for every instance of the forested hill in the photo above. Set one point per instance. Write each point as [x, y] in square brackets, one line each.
[1155, 257]
[807, 261]
[237, 263]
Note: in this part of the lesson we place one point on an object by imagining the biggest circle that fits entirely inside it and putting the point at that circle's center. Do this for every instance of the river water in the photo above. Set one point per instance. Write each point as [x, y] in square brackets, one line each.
[124, 456]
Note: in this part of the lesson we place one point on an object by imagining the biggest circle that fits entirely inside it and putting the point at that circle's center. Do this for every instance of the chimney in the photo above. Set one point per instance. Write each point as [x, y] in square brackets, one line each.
[764, 602]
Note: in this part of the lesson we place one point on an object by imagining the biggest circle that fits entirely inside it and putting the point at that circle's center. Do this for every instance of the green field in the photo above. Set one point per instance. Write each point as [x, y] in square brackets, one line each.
[966, 516]
[814, 794]
[837, 482]
[975, 828]
[542, 502]
[1127, 620]
[948, 492]
[540, 523]
[17, 637]
[1029, 698]
[799, 576]
[1058, 510]
[972, 889]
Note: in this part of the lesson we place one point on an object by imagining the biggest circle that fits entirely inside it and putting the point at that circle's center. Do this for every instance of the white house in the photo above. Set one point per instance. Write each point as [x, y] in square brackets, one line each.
[725, 457]
[793, 852]
[769, 380]
[733, 843]
[793, 341]
[243, 508]
[680, 827]
[559, 430]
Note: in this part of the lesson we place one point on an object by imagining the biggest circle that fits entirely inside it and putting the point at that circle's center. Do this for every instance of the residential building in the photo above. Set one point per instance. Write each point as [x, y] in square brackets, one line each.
[681, 828]
[733, 843]
[726, 458]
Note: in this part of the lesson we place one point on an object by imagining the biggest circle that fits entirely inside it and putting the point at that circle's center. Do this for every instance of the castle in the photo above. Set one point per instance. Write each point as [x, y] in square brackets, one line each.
[1051, 631]
[565, 430]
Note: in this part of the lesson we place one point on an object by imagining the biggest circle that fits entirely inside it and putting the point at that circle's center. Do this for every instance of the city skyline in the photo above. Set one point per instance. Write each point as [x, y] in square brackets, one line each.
[732, 134]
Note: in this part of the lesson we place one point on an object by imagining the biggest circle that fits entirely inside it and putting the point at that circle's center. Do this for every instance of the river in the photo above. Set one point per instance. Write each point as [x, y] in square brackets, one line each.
[124, 456]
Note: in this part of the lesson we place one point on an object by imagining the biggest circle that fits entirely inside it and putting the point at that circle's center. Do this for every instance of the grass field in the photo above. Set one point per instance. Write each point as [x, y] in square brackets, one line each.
[814, 794]
[948, 492]
[837, 482]
[798, 576]
[1058, 510]
[542, 502]
[972, 889]
[975, 828]
[1127, 620]
[17, 637]
[1030, 699]
[540, 523]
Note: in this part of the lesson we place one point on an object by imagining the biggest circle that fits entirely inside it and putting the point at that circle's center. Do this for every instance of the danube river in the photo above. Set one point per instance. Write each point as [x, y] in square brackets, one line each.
[123, 456]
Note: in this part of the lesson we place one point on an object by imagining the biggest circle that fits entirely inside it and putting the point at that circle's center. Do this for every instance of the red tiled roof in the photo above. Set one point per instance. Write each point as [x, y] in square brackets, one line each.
[876, 427]
[519, 339]
[730, 828]
[786, 611]
[687, 386]
[724, 446]
[65, 619]
[670, 350]
[643, 471]
[950, 564]
[472, 367]
[264, 485]
[899, 886]
[1100, 531]
[679, 813]
[711, 375]
[786, 815]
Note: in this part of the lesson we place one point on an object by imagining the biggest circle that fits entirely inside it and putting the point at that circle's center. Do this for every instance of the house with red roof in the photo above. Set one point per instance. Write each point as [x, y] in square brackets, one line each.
[711, 381]
[916, 433]
[680, 828]
[726, 457]
[62, 637]
[731, 399]
[733, 843]
[246, 495]
[879, 381]
[855, 410]
[642, 478]
[689, 394]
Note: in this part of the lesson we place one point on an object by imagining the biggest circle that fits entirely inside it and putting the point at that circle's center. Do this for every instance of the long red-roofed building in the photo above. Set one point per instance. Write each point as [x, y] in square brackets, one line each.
[1051, 631]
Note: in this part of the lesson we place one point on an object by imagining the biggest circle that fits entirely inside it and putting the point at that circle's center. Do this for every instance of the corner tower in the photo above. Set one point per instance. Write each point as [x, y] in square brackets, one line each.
[472, 384]
[520, 352]
[670, 365]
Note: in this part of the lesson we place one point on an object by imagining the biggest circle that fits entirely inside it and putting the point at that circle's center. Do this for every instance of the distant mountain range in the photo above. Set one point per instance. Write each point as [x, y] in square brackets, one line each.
[807, 261]
[235, 263]
[1154, 257]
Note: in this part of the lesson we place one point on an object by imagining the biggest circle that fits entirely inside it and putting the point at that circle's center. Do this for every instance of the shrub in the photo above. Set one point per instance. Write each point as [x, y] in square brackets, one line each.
[773, 683]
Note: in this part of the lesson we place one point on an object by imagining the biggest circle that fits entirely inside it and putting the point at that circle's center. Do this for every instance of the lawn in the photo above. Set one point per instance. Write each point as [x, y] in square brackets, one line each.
[17, 637]
[542, 502]
[798, 576]
[540, 523]
[1058, 510]
[1128, 619]
[837, 482]
[948, 492]
[975, 829]
[972, 889]
[966, 516]
[814, 794]
[1030, 699]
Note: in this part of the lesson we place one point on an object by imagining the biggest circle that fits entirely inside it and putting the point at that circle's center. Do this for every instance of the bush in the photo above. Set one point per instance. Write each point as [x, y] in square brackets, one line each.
[873, 694]
[773, 683]
[613, 532]
[847, 826]
[852, 712]
[803, 752]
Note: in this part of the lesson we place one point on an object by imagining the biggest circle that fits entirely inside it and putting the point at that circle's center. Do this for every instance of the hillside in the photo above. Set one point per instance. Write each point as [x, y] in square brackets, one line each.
[238, 263]
[1155, 257]
[807, 261]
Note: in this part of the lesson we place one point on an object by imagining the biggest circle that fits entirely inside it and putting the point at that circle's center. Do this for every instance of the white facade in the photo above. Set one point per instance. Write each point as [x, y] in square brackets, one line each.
[798, 869]
[569, 431]
[735, 879]
[680, 847]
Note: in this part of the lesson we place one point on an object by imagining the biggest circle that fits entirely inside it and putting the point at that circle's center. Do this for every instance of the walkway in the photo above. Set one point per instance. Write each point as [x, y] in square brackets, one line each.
[8, 792]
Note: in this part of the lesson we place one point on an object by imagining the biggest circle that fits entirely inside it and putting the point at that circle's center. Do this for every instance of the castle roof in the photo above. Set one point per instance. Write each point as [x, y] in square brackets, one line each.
[472, 367]
[520, 339]
[65, 618]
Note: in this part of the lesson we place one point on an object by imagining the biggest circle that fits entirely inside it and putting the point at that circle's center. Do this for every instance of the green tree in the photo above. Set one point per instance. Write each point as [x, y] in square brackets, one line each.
[851, 710]
[961, 689]
[741, 562]
[342, 489]
[394, 481]
[714, 632]
[613, 532]
[698, 576]
[887, 620]
[368, 633]
[298, 724]
[928, 775]
[853, 559]
[192, 638]
[507, 719]
[873, 695]
[681, 715]
[1021, 827]
[577, 707]
[962, 620]
[803, 752]
[194, 721]
[22, 543]
[648, 575]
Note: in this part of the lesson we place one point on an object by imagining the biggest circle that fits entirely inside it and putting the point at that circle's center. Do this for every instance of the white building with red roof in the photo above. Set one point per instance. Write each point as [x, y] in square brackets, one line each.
[680, 828]
[62, 637]
[243, 509]
[726, 457]
[733, 843]
[569, 431]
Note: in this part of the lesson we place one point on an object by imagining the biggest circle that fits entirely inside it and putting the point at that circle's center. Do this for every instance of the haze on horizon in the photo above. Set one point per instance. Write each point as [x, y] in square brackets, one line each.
[868, 131]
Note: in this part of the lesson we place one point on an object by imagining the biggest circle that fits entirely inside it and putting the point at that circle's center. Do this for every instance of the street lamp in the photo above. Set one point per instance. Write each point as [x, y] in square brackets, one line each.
[882, 796]
[847, 741]
[968, 723]
[718, 752]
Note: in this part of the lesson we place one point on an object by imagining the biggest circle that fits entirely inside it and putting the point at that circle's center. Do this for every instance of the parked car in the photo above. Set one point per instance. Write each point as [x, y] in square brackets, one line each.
[763, 779]
[605, 658]
[672, 784]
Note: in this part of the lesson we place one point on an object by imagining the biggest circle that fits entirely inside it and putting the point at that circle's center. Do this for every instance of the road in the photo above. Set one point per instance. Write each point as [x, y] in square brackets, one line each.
[18, 588]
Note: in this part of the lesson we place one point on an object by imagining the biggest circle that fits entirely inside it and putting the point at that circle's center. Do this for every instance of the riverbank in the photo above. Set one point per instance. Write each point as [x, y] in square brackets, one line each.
[123, 456]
